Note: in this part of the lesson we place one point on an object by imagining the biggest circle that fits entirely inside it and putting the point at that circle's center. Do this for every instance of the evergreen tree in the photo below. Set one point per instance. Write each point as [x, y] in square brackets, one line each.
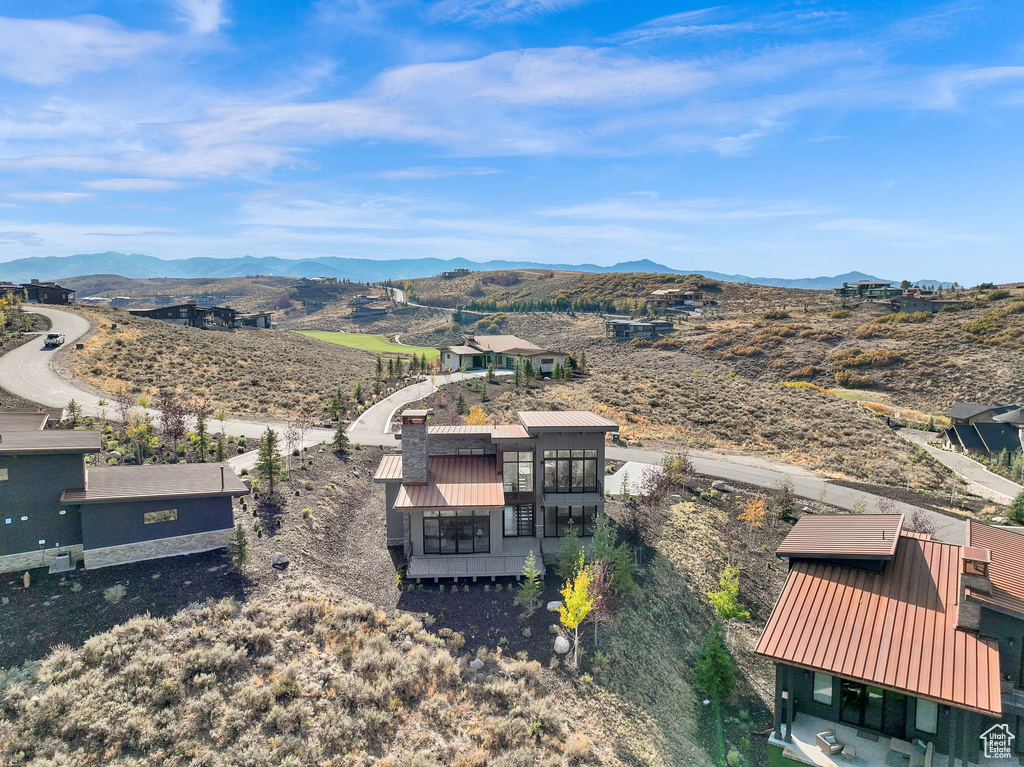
[357, 393]
[340, 440]
[380, 368]
[202, 436]
[530, 587]
[583, 362]
[570, 556]
[391, 368]
[220, 451]
[517, 374]
[490, 373]
[624, 570]
[715, 670]
[460, 404]
[268, 460]
[73, 413]
[238, 548]
[605, 539]
[1015, 511]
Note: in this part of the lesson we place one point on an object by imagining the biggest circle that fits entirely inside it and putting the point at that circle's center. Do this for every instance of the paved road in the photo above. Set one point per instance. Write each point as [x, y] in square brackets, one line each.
[25, 371]
[1000, 489]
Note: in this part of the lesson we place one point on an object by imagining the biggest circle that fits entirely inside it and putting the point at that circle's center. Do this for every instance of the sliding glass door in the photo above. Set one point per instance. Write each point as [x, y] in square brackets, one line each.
[456, 532]
[874, 708]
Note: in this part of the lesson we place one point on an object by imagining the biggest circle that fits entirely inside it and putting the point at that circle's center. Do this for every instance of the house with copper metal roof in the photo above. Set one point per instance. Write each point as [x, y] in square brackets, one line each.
[894, 648]
[504, 352]
[56, 511]
[475, 501]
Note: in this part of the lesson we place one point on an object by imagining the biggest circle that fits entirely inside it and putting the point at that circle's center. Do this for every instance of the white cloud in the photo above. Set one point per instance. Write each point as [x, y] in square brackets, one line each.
[202, 16]
[62, 198]
[132, 185]
[49, 51]
[428, 172]
[688, 211]
[908, 234]
[30, 239]
[498, 11]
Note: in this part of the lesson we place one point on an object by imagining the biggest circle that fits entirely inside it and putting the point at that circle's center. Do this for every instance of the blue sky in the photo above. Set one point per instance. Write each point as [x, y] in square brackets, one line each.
[779, 139]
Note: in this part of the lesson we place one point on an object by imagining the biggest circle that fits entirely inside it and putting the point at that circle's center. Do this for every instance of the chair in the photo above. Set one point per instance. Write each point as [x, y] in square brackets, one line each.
[827, 742]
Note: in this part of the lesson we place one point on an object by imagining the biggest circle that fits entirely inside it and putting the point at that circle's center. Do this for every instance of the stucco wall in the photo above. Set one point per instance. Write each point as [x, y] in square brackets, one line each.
[115, 524]
[33, 490]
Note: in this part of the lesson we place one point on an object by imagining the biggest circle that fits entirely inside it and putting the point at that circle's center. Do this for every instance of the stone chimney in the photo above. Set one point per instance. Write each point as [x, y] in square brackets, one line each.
[974, 564]
[415, 454]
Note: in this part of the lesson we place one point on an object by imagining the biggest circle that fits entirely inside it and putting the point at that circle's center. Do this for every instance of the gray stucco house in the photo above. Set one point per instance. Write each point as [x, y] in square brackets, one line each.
[472, 501]
[55, 511]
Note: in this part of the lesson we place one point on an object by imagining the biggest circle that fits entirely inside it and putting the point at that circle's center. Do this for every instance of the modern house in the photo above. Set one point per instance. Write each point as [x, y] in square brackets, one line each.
[10, 289]
[365, 312]
[193, 315]
[452, 274]
[928, 303]
[48, 293]
[504, 352]
[625, 330]
[475, 501]
[672, 297]
[255, 320]
[867, 289]
[54, 511]
[893, 648]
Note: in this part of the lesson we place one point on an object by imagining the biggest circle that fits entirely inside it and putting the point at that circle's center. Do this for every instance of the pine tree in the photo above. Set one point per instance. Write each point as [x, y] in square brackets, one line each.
[73, 412]
[570, 555]
[490, 372]
[391, 368]
[1015, 511]
[380, 368]
[530, 587]
[220, 452]
[460, 404]
[517, 374]
[238, 548]
[268, 461]
[202, 436]
[715, 670]
[357, 392]
[583, 362]
[340, 441]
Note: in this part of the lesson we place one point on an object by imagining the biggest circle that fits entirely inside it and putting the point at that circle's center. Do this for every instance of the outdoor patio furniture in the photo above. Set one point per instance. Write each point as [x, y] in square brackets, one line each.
[827, 742]
[849, 753]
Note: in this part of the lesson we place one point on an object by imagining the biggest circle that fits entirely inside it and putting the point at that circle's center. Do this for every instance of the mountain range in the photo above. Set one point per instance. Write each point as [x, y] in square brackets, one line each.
[136, 265]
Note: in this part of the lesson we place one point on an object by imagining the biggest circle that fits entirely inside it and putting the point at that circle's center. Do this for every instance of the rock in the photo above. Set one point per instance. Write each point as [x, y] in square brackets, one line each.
[279, 559]
[407, 645]
[675, 499]
[562, 645]
[114, 454]
[554, 607]
[720, 486]
[476, 664]
[489, 678]
[479, 677]
[130, 458]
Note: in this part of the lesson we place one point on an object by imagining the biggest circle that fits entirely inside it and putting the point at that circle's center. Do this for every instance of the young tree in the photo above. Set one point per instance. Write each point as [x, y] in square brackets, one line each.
[380, 368]
[753, 514]
[220, 452]
[391, 368]
[221, 414]
[602, 591]
[238, 548]
[340, 440]
[140, 434]
[357, 393]
[73, 413]
[716, 677]
[202, 435]
[476, 416]
[529, 589]
[679, 468]
[726, 601]
[577, 603]
[172, 416]
[268, 460]
[624, 570]
[570, 555]
[517, 374]
[460, 404]
[583, 362]
[920, 522]
[103, 410]
[490, 373]
[336, 407]
[124, 402]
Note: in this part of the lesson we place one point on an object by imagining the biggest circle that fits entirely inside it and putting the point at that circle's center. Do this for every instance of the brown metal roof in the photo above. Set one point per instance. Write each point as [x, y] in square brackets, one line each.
[456, 482]
[179, 480]
[22, 421]
[390, 468]
[1006, 569]
[456, 429]
[510, 432]
[895, 629]
[843, 536]
[501, 344]
[564, 419]
[49, 441]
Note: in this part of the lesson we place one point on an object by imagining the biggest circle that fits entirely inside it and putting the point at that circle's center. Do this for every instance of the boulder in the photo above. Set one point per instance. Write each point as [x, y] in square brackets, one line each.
[279, 559]
[114, 454]
[720, 486]
[554, 607]
[562, 645]
[476, 664]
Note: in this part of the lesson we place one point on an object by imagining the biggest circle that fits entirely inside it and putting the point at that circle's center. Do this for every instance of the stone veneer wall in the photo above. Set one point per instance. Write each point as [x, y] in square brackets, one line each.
[161, 547]
[30, 560]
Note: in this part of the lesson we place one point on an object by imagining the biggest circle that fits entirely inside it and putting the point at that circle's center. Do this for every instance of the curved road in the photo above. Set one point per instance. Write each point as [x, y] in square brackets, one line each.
[25, 371]
[996, 488]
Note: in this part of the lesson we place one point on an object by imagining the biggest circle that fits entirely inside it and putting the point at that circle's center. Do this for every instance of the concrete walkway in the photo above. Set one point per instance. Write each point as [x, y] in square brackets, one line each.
[982, 481]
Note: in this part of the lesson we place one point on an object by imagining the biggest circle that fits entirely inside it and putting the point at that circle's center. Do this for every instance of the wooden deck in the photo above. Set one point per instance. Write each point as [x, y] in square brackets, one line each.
[509, 563]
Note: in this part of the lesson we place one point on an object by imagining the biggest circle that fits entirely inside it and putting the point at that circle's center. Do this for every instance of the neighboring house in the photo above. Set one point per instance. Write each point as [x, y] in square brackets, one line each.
[670, 297]
[48, 293]
[364, 312]
[503, 352]
[919, 303]
[976, 412]
[191, 314]
[474, 501]
[884, 633]
[54, 511]
[451, 275]
[624, 330]
[10, 289]
[984, 439]
[362, 300]
[867, 289]
[255, 320]
[1014, 418]
[122, 301]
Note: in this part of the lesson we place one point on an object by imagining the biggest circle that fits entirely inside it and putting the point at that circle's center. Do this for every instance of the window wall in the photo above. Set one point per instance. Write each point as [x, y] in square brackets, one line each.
[558, 520]
[571, 471]
[517, 471]
[456, 532]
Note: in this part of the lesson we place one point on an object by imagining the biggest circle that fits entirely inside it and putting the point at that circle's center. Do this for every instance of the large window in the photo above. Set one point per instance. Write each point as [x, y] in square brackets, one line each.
[822, 688]
[519, 520]
[517, 471]
[874, 708]
[456, 532]
[571, 471]
[469, 451]
[927, 716]
[558, 519]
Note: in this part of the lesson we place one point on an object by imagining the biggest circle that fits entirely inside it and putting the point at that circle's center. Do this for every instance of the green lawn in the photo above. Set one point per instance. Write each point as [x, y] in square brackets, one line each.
[370, 343]
[776, 759]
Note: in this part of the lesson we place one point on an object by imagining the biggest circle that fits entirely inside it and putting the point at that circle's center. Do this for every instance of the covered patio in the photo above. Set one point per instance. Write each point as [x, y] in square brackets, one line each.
[508, 563]
[860, 748]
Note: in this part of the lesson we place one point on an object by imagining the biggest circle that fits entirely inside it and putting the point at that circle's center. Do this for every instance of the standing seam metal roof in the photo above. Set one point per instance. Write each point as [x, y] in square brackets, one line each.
[564, 419]
[896, 629]
[1006, 570]
[456, 482]
[871, 536]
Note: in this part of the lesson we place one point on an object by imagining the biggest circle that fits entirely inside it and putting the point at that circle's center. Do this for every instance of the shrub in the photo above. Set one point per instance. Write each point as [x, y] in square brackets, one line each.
[115, 593]
[1015, 511]
[775, 314]
[840, 314]
[899, 318]
[998, 295]
[851, 380]
[808, 371]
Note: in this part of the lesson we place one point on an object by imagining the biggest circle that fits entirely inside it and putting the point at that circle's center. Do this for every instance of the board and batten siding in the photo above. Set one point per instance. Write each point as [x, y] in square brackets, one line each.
[32, 489]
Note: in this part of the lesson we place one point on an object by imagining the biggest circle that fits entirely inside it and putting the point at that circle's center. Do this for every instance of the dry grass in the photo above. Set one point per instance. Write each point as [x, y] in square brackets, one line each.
[246, 370]
[289, 680]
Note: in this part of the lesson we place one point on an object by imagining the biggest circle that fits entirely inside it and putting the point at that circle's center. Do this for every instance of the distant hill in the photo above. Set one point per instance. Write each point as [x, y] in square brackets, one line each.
[136, 265]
